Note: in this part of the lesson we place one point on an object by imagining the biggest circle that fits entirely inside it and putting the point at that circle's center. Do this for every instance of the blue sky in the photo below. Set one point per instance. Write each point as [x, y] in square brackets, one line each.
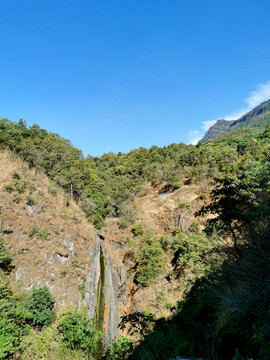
[114, 75]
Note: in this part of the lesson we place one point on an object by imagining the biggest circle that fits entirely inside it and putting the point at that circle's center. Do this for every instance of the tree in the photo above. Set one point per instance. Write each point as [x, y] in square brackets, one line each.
[5, 256]
[78, 331]
[40, 304]
[120, 349]
[140, 324]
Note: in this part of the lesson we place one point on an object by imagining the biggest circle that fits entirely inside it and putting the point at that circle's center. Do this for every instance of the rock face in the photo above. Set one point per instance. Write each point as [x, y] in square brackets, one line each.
[220, 127]
[102, 289]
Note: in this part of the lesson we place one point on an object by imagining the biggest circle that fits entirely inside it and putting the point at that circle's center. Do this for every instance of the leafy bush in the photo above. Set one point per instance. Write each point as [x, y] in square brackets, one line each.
[178, 184]
[16, 176]
[16, 198]
[151, 259]
[40, 304]
[78, 331]
[30, 201]
[14, 322]
[47, 345]
[194, 226]
[7, 230]
[52, 189]
[120, 349]
[137, 230]
[201, 197]
[5, 289]
[21, 187]
[184, 205]
[35, 230]
[5, 256]
[8, 187]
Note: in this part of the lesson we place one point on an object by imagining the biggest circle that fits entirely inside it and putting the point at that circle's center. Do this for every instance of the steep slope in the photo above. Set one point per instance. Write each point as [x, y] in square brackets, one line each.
[257, 118]
[54, 245]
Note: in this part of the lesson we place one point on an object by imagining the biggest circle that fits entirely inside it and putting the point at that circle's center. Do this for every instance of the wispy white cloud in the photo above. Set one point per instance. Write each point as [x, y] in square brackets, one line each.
[262, 93]
[256, 97]
[194, 136]
[207, 124]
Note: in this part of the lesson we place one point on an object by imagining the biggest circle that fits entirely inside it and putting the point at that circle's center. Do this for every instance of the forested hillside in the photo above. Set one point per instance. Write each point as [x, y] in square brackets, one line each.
[204, 257]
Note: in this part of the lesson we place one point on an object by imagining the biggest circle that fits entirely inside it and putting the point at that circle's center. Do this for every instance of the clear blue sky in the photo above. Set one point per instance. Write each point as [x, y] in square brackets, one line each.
[114, 75]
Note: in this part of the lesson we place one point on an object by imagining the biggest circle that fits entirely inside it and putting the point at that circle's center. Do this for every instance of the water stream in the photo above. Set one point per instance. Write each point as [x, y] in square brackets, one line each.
[100, 299]
[102, 293]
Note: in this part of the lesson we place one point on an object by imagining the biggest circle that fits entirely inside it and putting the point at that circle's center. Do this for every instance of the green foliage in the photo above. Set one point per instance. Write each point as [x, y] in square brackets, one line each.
[81, 288]
[193, 255]
[16, 176]
[151, 261]
[35, 231]
[5, 289]
[47, 344]
[30, 201]
[16, 198]
[52, 189]
[78, 331]
[13, 326]
[184, 205]
[194, 226]
[63, 272]
[106, 185]
[7, 230]
[137, 230]
[40, 304]
[21, 187]
[120, 349]
[5, 256]
[201, 197]
[8, 187]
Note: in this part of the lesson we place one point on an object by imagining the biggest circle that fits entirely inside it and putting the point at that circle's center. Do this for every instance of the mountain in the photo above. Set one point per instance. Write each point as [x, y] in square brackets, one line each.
[159, 244]
[259, 117]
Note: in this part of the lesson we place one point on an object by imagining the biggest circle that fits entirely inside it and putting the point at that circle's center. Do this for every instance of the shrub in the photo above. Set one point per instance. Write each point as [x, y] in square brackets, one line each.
[16, 198]
[184, 205]
[44, 234]
[5, 289]
[151, 260]
[16, 176]
[201, 197]
[52, 189]
[47, 345]
[194, 227]
[8, 187]
[5, 256]
[78, 331]
[137, 230]
[88, 206]
[39, 233]
[63, 272]
[21, 187]
[120, 349]
[30, 201]
[34, 230]
[123, 224]
[40, 304]
[178, 184]
[7, 230]
[166, 241]
[14, 324]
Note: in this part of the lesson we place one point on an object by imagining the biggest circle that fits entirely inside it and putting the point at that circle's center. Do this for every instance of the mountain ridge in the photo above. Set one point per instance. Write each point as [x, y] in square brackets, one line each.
[255, 118]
